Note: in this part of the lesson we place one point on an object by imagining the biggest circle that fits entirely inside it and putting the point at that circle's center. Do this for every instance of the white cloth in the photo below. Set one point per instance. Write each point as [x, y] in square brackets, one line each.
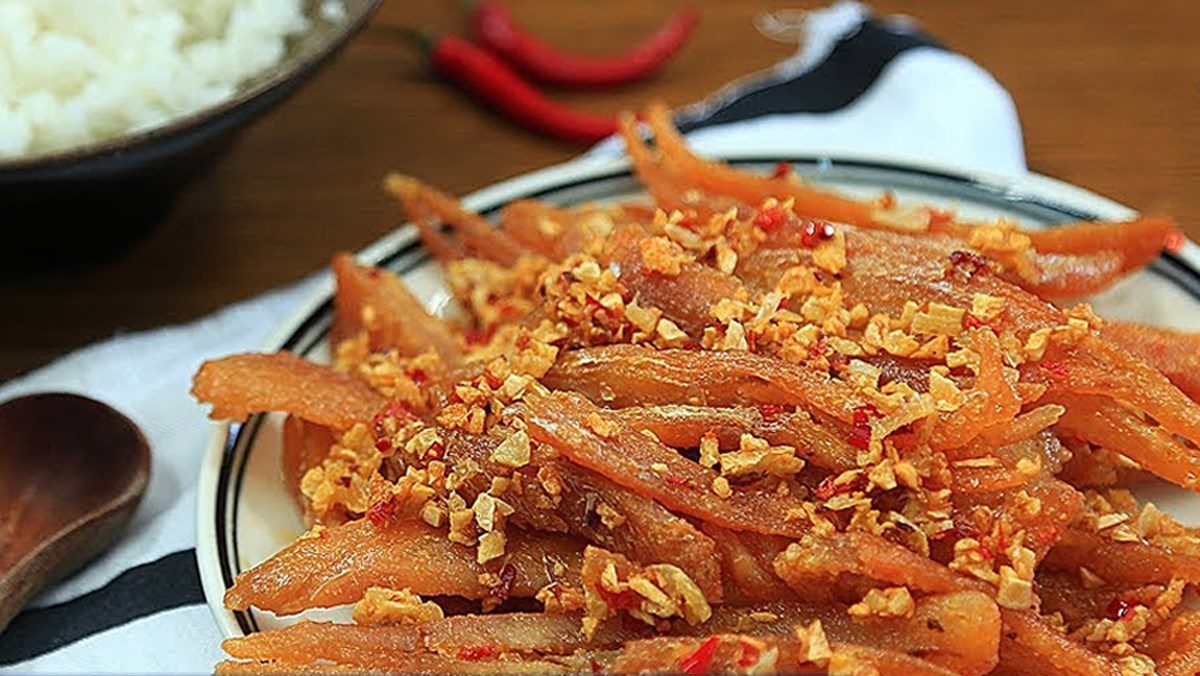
[925, 103]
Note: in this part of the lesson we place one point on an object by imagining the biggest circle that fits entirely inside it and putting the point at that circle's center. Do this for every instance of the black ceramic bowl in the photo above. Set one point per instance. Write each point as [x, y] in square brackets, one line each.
[72, 203]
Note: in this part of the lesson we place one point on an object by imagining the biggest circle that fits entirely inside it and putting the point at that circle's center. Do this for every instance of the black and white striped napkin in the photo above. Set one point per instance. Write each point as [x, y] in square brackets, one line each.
[858, 85]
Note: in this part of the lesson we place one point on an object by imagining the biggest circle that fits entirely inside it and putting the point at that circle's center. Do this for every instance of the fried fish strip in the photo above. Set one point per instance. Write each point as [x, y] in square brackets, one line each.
[477, 235]
[242, 384]
[375, 301]
[1121, 562]
[629, 458]
[590, 506]
[336, 566]
[629, 375]
[1175, 353]
[683, 426]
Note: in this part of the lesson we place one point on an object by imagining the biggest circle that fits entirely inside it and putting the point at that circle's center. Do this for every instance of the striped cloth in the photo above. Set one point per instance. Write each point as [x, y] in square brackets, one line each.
[859, 84]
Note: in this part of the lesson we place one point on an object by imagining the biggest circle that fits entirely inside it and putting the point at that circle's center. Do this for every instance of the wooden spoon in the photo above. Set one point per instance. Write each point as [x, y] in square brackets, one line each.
[72, 471]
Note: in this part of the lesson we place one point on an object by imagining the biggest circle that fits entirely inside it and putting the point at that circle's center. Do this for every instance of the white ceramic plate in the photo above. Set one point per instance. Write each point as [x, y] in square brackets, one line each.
[245, 514]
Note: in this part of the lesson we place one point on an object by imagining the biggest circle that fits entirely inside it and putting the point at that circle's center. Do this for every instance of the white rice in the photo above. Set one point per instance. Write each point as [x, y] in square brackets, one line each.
[73, 72]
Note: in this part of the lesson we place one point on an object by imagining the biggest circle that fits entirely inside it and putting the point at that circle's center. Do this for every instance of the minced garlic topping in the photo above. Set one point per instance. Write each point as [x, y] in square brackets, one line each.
[380, 605]
[890, 602]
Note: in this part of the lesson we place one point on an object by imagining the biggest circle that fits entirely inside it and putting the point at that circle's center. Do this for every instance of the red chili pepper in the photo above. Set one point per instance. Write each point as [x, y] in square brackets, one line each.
[494, 83]
[700, 661]
[494, 28]
[860, 430]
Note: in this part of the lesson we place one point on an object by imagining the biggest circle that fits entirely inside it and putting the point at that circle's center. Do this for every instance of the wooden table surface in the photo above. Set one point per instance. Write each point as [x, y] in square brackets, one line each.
[1108, 92]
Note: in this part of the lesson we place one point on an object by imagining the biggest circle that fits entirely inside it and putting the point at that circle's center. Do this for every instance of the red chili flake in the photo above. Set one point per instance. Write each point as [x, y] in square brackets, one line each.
[342, 481]
[860, 430]
[887, 200]
[594, 664]
[818, 348]
[418, 376]
[383, 445]
[967, 262]
[1002, 541]
[827, 488]
[773, 410]
[393, 409]
[701, 659]
[523, 341]
[986, 551]
[782, 170]
[1174, 241]
[473, 653]
[381, 512]
[973, 322]
[676, 480]
[1056, 369]
[864, 413]
[622, 600]
[750, 655]
[816, 232]
[751, 340]
[770, 218]
[493, 380]
[1118, 609]
[860, 438]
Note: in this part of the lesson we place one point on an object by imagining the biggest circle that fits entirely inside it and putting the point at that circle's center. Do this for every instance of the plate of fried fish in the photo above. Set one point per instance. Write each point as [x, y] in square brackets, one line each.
[750, 415]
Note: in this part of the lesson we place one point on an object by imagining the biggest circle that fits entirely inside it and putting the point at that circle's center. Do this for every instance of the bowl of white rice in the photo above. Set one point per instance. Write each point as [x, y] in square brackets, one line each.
[109, 107]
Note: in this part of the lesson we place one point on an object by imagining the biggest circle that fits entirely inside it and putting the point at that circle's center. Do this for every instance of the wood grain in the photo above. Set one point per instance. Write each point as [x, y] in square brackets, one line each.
[1107, 91]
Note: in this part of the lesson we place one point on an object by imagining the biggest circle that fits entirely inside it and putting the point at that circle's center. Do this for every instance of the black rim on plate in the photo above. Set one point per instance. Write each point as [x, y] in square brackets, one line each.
[410, 255]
